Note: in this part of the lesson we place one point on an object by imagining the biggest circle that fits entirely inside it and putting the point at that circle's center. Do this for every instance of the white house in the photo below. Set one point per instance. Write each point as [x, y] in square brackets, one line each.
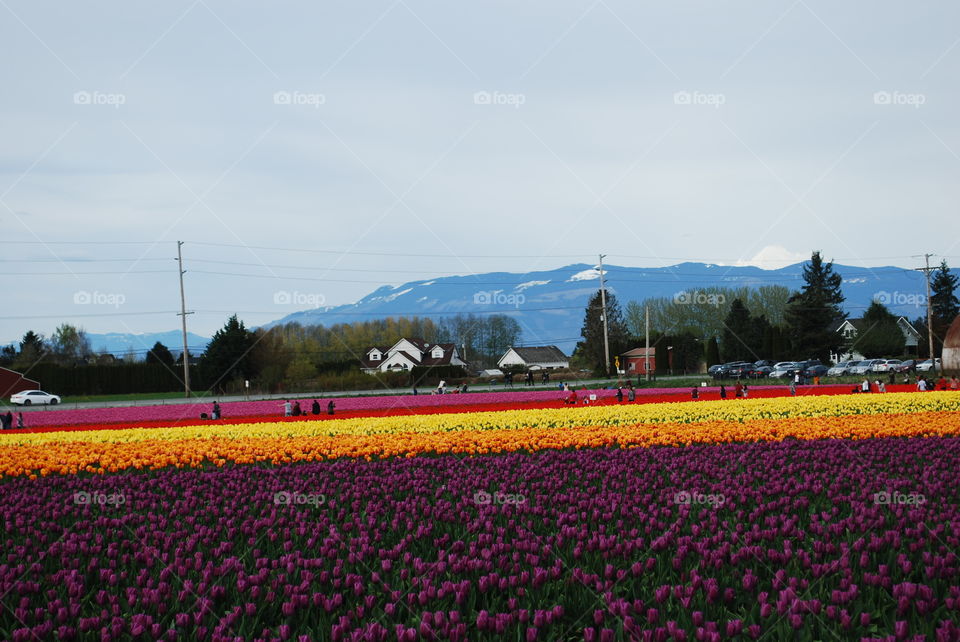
[407, 353]
[850, 328]
[534, 358]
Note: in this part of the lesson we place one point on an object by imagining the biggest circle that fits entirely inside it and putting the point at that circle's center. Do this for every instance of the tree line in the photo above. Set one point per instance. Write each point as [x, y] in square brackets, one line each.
[277, 358]
[717, 325]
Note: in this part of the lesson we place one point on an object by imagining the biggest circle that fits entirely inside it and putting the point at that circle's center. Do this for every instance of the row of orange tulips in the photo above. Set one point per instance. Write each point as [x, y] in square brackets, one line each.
[98, 457]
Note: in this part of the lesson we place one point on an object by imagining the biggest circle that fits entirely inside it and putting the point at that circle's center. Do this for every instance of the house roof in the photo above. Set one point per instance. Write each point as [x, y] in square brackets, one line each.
[859, 323]
[639, 352]
[449, 349]
[367, 363]
[836, 325]
[419, 343]
[540, 354]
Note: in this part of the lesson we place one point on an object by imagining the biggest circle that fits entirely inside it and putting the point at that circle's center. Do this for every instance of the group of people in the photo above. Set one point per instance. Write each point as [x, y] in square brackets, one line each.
[6, 420]
[573, 398]
[528, 378]
[295, 410]
[740, 391]
[923, 384]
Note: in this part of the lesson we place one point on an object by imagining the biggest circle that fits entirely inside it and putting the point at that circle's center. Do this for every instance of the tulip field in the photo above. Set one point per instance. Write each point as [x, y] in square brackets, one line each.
[816, 517]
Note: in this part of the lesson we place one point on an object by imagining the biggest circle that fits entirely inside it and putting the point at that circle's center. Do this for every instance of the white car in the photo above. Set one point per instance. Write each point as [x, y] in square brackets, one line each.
[863, 367]
[783, 369]
[34, 397]
[840, 369]
[927, 366]
[885, 365]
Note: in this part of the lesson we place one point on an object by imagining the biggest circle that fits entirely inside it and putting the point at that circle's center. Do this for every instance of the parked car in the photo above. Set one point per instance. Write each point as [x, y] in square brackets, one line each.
[34, 397]
[816, 370]
[759, 372]
[783, 369]
[840, 369]
[927, 366]
[712, 370]
[740, 371]
[907, 366]
[863, 367]
[802, 366]
[884, 365]
[726, 369]
[763, 362]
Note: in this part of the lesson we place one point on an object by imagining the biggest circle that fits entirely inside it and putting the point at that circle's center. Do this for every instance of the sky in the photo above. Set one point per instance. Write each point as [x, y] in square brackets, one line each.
[323, 149]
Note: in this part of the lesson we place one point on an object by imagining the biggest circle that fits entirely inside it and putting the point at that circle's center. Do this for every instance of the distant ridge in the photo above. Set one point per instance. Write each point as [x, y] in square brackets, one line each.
[549, 304]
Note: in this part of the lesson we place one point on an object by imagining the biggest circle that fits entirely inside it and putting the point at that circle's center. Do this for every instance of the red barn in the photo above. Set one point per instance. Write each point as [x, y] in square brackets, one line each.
[13, 382]
[634, 362]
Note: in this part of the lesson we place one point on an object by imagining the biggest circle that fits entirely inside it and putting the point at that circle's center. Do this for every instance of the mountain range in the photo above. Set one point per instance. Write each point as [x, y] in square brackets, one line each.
[549, 304]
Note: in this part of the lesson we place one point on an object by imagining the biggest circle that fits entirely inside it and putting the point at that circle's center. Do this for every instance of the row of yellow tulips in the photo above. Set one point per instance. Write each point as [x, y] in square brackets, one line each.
[740, 410]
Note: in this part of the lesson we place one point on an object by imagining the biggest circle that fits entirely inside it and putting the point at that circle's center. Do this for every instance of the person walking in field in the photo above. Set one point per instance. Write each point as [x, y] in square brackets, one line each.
[297, 411]
[745, 391]
[738, 390]
[619, 394]
[695, 393]
[723, 391]
[921, 384]
[330, 407]
[793, 388]
[631, 393]
[954, 383]
[865, 386]
[287, 408]
[215, 413]
[315, 408]
[20, 418]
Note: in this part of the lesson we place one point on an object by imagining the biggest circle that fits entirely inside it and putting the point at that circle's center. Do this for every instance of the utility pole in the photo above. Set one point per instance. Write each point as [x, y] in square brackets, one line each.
[183, 317]
[926, 271]
[603, 304]
[646, 326]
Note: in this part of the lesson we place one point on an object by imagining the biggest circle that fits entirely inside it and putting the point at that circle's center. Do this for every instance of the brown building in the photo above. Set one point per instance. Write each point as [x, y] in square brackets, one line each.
[634, 362]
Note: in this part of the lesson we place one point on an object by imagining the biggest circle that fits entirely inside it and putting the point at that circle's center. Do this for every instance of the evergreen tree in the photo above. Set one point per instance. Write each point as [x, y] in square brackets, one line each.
[712, 355]
[590, 351]
[227, 356]
[7, 356]
[33, 349]
[944, 303]
[814, 312]
[738, 334]
[879, 335]
[160, 353]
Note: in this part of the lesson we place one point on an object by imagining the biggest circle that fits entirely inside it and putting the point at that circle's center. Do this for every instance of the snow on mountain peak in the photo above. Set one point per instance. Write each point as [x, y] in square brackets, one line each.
[529, 284]
[585, 275]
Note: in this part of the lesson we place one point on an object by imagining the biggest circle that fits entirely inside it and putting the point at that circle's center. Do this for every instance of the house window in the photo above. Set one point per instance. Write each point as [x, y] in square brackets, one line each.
[437, 353]
[374, 356]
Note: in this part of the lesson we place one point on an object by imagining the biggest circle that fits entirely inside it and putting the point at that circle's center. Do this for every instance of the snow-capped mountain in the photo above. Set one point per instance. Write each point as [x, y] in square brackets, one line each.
[549, 304]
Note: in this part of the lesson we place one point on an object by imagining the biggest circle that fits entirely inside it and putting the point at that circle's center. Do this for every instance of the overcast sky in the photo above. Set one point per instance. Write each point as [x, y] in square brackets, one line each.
[492, 136]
